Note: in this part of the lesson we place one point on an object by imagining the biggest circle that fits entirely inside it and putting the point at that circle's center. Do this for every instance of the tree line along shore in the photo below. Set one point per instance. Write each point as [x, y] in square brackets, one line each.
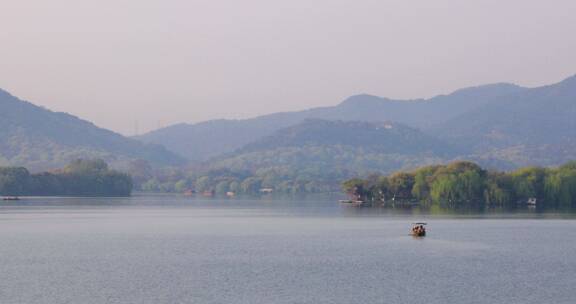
[458, 184]
[79, 178]
[465, 184]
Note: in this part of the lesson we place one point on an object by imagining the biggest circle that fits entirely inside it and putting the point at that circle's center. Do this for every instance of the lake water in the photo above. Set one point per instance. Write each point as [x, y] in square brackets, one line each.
[168, 249]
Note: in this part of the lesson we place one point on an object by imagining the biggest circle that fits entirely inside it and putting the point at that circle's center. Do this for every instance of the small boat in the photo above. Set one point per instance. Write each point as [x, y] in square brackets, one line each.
[418, 229]
[10, 198]
[354, 203]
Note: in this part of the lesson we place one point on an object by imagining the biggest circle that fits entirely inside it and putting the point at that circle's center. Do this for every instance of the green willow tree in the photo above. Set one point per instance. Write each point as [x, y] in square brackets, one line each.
[467, 184]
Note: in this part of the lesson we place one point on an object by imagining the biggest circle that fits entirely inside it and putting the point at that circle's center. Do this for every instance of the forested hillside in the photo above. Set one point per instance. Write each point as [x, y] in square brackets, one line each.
[381, 137]
[533, 127]
[39, 139]
[313, 156]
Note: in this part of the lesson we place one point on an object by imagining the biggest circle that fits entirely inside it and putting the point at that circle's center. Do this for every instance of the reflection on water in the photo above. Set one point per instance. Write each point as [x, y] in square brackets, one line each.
[170, 249]
[521, 211]
[302, 206]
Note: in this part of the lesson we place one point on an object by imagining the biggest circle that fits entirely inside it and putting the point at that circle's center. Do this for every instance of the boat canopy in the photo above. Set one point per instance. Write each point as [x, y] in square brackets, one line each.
[419, 223]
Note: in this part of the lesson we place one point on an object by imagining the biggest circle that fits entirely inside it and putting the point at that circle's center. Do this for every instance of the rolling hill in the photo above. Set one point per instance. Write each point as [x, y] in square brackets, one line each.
[383, 137]
[40, 139]
[339, 146]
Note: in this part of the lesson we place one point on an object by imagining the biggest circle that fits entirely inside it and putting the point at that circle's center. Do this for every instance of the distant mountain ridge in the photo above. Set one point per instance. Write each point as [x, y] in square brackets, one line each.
[204, 140]
[40, 139]
[535, 126]
[542, 115]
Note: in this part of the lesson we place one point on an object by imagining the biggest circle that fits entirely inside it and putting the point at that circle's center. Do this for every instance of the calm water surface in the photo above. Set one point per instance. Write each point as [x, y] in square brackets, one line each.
[176, 250]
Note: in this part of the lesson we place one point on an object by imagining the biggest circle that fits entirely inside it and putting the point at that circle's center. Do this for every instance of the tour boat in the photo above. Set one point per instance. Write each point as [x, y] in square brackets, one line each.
[418, 229]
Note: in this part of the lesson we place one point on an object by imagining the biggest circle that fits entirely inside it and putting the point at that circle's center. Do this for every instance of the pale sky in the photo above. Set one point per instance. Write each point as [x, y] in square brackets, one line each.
[159, 62]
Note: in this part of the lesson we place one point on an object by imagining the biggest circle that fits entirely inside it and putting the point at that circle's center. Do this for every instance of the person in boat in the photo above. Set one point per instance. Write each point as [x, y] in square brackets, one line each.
[418, 230]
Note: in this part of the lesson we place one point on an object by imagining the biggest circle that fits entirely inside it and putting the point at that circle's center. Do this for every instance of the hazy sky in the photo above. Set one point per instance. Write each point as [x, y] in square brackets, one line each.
[159, 62]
